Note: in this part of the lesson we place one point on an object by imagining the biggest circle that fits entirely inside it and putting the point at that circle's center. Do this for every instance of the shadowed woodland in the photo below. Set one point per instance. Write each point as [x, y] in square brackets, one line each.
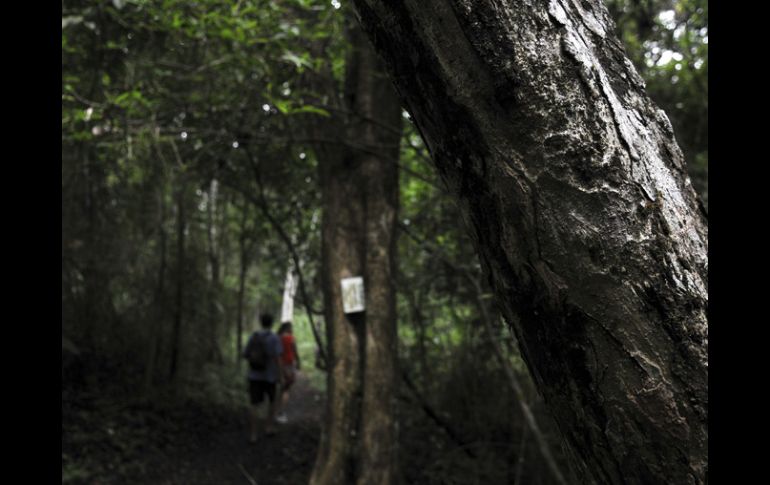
[523, 189]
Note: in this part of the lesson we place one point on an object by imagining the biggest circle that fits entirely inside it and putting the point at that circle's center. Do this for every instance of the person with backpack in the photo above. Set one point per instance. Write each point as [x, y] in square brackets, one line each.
[263, 351]
[290, 365]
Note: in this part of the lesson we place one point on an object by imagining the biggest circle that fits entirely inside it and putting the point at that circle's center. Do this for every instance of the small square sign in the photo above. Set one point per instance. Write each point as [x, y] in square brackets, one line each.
[353, 294]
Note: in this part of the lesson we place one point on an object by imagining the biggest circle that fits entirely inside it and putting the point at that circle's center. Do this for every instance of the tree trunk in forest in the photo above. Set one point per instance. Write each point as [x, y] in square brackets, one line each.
[379, 101]
[241, 295]
[159, 303]
[214, 352]
[176, 334]
[360, 202]
[418, 321]
[583, 216]
[244, 262]
[224, 255]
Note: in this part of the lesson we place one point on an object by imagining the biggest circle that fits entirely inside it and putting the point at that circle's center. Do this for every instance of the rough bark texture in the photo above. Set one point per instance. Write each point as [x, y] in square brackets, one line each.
[380, 183]
[360, 199]
[585, 221]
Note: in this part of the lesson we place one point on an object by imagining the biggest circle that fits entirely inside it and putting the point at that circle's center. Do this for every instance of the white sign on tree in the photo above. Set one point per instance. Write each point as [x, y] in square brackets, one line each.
[353, 294]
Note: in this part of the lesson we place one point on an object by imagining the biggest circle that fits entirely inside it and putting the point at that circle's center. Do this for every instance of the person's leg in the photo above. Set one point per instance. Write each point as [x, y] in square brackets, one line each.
[255, 397]
[253, 418]
[280, 416]
[284, 394]
[288, 383]
[271, 409]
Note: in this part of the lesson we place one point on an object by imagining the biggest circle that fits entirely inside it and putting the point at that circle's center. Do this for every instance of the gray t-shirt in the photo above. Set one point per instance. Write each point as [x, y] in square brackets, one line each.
[274, 348]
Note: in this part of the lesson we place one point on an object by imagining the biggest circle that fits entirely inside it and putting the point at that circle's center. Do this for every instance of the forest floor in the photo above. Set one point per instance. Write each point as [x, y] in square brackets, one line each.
[193, 444]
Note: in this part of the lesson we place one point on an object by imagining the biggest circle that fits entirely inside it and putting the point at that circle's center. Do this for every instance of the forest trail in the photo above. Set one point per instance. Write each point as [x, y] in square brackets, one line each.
[228, 458]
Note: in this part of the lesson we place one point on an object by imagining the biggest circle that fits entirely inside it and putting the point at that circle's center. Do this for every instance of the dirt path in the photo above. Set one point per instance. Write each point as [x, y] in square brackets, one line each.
[227, 458]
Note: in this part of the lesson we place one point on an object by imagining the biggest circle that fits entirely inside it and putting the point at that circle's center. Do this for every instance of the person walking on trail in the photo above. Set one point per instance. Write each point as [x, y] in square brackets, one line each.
[290, 365]
[263, 351]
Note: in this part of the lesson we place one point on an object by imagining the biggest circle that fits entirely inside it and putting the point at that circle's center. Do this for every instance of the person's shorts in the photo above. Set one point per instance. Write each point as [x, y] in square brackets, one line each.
[258, 390]
[289, 376]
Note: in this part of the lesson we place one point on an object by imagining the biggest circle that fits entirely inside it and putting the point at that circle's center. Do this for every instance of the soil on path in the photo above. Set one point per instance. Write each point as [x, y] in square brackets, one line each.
[285, 458]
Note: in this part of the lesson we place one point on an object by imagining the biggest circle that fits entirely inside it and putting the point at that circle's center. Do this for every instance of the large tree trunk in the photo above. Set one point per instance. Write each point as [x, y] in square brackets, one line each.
[585, 221]
[379, 103]
[341, 257]
[360, 201]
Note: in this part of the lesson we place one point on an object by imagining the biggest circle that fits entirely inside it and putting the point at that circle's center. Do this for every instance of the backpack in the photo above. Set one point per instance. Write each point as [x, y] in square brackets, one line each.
[256, 353]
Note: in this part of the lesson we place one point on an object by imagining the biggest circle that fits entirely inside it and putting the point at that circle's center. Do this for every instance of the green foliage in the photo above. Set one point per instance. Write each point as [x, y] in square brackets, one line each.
[159, 99]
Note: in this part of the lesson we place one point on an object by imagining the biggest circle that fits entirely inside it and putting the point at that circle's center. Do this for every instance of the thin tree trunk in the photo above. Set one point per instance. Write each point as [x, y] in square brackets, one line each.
[436, 417]
[244, 263]
[584, 219]
[159, 306]
[224, 255]
[176, 334]
[214, 352]
[241, 295]
[520, 456]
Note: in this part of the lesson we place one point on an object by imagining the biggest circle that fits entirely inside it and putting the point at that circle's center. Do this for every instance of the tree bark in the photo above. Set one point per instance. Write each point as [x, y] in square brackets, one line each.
[340, 258]
[378, 101]
[360, 202]
[215, 290]
[176, 334]
[244, 251]
[159, 305]
[585, 221]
